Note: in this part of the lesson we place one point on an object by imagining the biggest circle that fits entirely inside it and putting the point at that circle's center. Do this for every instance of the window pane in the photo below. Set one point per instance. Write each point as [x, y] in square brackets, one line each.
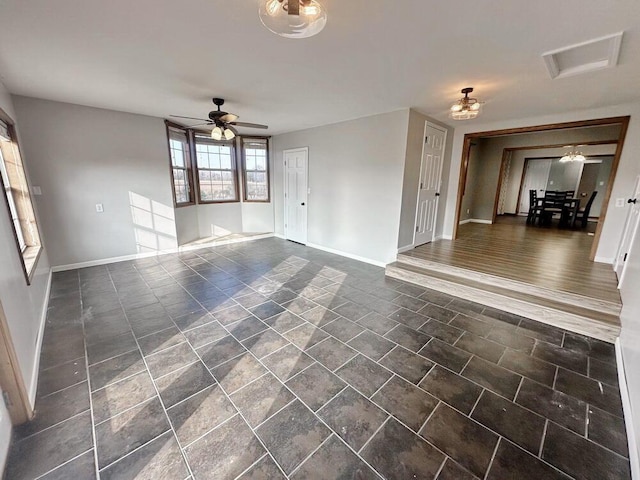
[225, 162]
[206, 192]
[203, 160]
[251, 162]
[261, 163]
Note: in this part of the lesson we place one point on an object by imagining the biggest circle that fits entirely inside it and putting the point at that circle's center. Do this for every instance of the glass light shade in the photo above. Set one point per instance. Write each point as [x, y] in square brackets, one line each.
[573, 156]
[216, 133]
[228, 134]
[311, 20]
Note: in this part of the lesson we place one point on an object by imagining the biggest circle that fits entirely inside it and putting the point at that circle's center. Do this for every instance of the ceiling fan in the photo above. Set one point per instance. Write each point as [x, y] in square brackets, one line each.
[223, 122]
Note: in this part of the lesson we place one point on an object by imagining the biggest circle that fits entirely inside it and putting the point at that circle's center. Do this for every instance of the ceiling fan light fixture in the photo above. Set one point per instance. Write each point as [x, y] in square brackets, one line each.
[466, 108]
[228, 134]
[306, 20]
[216, 133]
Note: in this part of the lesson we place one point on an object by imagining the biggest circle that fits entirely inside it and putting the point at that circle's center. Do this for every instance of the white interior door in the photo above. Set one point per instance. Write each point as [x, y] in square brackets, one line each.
[629, 234]
[295, 194]
[429, 187]
[535, 178]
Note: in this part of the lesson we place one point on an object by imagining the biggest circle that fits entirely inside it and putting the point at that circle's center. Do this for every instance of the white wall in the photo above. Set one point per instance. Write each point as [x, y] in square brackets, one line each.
[187, 227]
[82, 156]
[24, 306]
[356, 172]
[623, 184]
[411, 178]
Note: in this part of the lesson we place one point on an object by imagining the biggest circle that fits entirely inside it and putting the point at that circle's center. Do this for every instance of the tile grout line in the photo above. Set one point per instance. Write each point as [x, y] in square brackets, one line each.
[495, 451]
[86, 355]
[64, 463]
[544, 436]
[168, 420]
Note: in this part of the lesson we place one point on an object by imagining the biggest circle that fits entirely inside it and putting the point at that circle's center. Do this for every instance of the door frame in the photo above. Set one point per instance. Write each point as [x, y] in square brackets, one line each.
[627, 231]
[286, 189]
[13, 386]
[466, 147]
[444, 148]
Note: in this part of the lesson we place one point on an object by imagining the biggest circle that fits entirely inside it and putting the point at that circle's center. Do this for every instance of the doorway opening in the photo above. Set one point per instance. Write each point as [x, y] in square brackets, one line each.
[500, 169]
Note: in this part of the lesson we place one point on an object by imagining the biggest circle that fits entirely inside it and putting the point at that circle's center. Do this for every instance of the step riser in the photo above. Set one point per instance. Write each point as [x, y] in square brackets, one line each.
[557, 318]
[602, 306]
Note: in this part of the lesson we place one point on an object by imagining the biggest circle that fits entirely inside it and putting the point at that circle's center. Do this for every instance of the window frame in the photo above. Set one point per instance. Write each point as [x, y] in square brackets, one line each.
[267, 170]
[30, 254]
[188, 165]
[234, 169]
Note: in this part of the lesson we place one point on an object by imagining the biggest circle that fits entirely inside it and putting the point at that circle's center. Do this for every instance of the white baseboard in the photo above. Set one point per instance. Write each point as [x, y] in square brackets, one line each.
[608, 260]
[348, 255]
[406, 248]
[137, 256]
[447, 237]
[33, 388]
[279, 235]
[475, 220]
[634, 459]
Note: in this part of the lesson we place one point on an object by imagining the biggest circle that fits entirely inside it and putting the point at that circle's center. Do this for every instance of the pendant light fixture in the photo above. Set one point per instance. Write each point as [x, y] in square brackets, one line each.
[573, 155]
[466, 108]
[293, 18]
[219, 133]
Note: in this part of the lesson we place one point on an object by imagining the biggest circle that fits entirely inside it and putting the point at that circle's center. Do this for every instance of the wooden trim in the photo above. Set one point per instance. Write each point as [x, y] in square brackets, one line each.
[168, 125]
[11, 379]
[14, 155]
[623, 121]
[624, 126]
[505, 154]
[244, 169]
[551, 126]
[524, 170]
[462, 181]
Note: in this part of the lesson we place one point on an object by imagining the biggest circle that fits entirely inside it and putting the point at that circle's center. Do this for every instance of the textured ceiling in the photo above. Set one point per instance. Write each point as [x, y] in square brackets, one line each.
[161, 57]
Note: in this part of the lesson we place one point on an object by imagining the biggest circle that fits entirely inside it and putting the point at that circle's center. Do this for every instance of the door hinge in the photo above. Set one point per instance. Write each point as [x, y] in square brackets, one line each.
[417, 228]
[7, 399]
[625, 257]
[421, 184]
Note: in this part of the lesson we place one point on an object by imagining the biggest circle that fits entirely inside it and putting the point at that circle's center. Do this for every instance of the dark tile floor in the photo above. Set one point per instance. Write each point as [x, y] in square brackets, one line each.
[270, 360]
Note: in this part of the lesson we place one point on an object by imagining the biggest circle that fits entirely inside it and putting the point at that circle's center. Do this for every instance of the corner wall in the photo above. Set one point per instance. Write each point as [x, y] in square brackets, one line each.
[411, 177]
[356, 173]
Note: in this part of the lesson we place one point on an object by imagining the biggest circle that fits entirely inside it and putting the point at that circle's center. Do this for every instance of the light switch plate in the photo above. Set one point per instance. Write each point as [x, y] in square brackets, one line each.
[36, 190]
[619, 202]
[99, 208]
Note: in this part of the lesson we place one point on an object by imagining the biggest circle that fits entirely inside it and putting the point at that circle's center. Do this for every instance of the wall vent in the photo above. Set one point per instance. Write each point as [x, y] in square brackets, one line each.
[584, 57]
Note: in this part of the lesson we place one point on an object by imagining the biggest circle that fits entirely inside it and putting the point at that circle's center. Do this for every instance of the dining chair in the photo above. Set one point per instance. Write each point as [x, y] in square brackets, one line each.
[535, 207]
[552, 204]
[583, 213]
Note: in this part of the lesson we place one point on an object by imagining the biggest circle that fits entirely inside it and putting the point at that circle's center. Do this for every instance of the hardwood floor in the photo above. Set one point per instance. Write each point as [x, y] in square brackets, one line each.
[547, 257]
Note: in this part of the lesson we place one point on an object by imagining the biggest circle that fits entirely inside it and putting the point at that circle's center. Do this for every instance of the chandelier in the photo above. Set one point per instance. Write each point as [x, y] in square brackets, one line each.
[293, 18]
[466, 108]
[573, 156]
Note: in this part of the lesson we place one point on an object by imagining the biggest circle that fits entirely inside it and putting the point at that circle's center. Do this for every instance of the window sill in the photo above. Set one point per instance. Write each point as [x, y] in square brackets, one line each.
[30, 258]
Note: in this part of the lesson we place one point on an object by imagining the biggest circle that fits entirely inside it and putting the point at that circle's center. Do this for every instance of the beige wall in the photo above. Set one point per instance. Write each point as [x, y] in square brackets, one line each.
[411, 178]
[356, 173]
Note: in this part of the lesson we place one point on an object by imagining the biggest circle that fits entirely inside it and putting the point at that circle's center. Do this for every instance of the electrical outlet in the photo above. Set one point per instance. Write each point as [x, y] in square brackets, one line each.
[468, 211]
[99, 208]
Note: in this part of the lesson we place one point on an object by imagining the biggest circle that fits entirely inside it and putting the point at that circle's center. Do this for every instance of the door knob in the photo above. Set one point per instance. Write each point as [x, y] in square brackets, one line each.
[437, 194]
[632, 200]
[302, 204]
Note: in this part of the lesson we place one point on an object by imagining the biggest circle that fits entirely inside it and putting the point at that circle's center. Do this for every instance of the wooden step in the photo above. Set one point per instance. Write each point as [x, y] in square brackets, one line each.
[563, 297]
[541, 305]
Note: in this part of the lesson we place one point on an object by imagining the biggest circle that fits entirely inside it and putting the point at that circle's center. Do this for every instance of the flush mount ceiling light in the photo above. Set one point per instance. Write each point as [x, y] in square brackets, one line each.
[466, 108]
[293, 18]
[573, 155]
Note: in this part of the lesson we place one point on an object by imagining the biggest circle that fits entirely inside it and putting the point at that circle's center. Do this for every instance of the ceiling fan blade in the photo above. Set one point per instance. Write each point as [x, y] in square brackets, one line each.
[208, 124]
[190, 118]
[228, 118]
[248, 125]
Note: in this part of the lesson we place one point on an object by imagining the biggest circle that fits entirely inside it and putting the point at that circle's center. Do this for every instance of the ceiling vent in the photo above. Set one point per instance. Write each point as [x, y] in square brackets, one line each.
[584, 57]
